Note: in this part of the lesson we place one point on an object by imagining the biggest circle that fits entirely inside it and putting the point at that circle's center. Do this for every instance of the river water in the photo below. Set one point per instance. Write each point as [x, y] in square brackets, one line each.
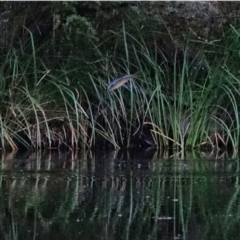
[143, 194]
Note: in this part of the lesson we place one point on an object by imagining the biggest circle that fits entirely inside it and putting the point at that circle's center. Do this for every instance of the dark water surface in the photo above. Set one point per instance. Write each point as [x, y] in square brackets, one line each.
[120, 195]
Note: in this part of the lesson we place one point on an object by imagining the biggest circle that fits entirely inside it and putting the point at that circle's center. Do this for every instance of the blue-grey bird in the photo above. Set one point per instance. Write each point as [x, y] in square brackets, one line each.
[120, 81]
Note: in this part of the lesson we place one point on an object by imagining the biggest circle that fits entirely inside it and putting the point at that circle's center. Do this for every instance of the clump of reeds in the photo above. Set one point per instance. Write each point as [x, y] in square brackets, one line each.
[192, 103]
[189, 102]
[37, 109]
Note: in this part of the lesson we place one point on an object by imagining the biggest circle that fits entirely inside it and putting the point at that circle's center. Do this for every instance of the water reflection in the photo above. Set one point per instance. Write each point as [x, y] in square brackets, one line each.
[119, 195]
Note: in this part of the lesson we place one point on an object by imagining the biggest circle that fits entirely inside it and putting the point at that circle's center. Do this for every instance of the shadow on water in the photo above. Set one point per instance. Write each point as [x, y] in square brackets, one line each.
[120, 195]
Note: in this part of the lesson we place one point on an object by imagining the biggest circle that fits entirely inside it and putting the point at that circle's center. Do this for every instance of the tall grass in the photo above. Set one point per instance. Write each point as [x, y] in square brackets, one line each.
[37, 110]
[187, 101]
[193, 103]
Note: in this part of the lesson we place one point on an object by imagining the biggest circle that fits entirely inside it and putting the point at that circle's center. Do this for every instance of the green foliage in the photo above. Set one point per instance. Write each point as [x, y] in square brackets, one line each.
[53, 90]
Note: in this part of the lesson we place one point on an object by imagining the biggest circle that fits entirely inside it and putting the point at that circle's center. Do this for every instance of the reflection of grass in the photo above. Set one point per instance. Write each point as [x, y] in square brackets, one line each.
[187, 197]
[183, 103]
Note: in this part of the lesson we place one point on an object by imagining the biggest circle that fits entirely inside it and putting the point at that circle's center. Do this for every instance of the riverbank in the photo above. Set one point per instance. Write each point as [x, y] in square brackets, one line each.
[54, 95]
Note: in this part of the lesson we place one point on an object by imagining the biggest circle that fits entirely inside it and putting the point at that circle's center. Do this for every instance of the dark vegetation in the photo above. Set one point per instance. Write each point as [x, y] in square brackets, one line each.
[57, 59]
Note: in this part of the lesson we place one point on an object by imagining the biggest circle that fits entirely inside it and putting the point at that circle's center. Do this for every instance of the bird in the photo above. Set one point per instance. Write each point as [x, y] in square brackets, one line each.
[120, 81]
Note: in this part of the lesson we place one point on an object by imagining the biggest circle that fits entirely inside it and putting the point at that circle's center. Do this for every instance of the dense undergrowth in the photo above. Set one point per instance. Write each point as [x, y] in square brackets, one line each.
[179, 100]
